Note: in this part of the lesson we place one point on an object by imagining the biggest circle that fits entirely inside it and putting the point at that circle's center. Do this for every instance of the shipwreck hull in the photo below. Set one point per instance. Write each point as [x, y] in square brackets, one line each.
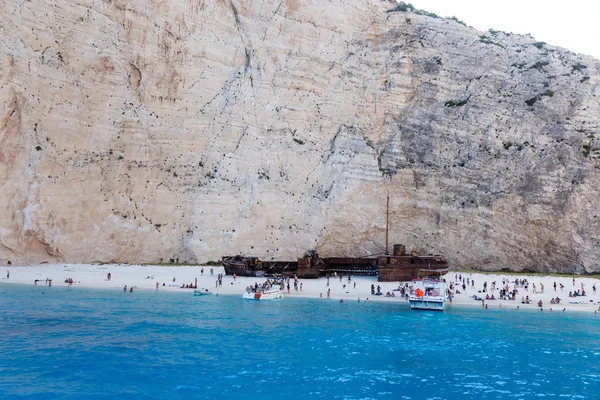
[399, 266]
[254, 267]
[406, 268]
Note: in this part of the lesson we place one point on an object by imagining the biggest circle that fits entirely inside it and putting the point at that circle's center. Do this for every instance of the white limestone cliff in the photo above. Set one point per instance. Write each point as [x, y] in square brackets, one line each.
[140, 131]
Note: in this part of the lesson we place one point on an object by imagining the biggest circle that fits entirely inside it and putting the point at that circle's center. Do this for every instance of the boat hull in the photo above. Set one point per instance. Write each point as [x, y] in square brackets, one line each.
[435, 304]
[267, 295]
[242, 271]
[253, 267]
[428, 294]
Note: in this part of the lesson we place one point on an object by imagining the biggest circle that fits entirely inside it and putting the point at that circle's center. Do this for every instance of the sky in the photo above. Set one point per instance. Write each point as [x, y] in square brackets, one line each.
[573, 24]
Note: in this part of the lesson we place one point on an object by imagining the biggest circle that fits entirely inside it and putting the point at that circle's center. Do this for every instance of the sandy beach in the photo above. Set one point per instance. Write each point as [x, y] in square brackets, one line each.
[145, 277]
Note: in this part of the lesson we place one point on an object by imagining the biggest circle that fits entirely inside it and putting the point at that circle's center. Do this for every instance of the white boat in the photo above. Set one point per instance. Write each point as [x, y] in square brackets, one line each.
[269, 290]
[202, 292]
[263, 295]
[428, 293]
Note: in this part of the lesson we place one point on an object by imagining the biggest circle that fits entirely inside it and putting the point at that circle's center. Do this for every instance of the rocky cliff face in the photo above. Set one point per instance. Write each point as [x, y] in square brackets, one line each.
[140, 131]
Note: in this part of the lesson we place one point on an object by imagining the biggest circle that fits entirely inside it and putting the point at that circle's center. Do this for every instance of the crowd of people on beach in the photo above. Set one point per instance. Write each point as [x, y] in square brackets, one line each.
[510, 289]
[497, 290]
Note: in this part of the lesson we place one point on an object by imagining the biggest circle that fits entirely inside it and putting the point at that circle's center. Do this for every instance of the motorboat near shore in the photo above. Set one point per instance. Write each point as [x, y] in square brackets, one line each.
[429, 292]
[202, 292]
[270, 290]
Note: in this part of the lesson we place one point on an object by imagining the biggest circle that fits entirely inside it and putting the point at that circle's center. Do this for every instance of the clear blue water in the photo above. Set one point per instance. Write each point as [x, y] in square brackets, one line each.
[76, 343]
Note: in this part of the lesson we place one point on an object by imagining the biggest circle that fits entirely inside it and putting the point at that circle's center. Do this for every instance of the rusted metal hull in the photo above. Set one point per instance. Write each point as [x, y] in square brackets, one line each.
[252, 266]
[363, 266]
[398, 267]
[406, 268]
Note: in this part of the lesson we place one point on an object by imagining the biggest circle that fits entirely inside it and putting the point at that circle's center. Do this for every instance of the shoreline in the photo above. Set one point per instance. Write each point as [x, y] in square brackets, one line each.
[145, 277]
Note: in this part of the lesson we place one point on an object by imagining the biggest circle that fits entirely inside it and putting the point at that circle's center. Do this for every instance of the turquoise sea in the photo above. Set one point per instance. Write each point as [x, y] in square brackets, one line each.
[72, 343]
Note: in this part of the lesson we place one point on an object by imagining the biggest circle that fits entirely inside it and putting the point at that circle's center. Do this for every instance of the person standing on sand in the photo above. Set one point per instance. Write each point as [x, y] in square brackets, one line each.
[288, 287]
[156, 285]
[234, 276]
[594, 288]
[202, 272]
[173, 279]
[573, 281]
[555, 286]
[354, 284]
[7, 274]
[328, 292]
[542, 288]
[300, 286]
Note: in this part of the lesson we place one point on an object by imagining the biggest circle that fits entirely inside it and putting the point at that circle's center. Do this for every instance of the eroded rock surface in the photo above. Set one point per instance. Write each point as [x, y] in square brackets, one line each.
[140, 131]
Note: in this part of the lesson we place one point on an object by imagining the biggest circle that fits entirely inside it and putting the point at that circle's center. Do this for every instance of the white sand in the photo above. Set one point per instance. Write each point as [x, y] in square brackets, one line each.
[145, 278]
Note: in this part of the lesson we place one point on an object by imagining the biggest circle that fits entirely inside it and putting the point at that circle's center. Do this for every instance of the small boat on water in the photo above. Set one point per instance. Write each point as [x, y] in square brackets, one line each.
[429, 292]
[202, 292]
[270, 290]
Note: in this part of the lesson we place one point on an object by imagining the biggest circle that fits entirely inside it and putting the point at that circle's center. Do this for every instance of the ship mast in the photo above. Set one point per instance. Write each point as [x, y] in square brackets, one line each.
[387, 223]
